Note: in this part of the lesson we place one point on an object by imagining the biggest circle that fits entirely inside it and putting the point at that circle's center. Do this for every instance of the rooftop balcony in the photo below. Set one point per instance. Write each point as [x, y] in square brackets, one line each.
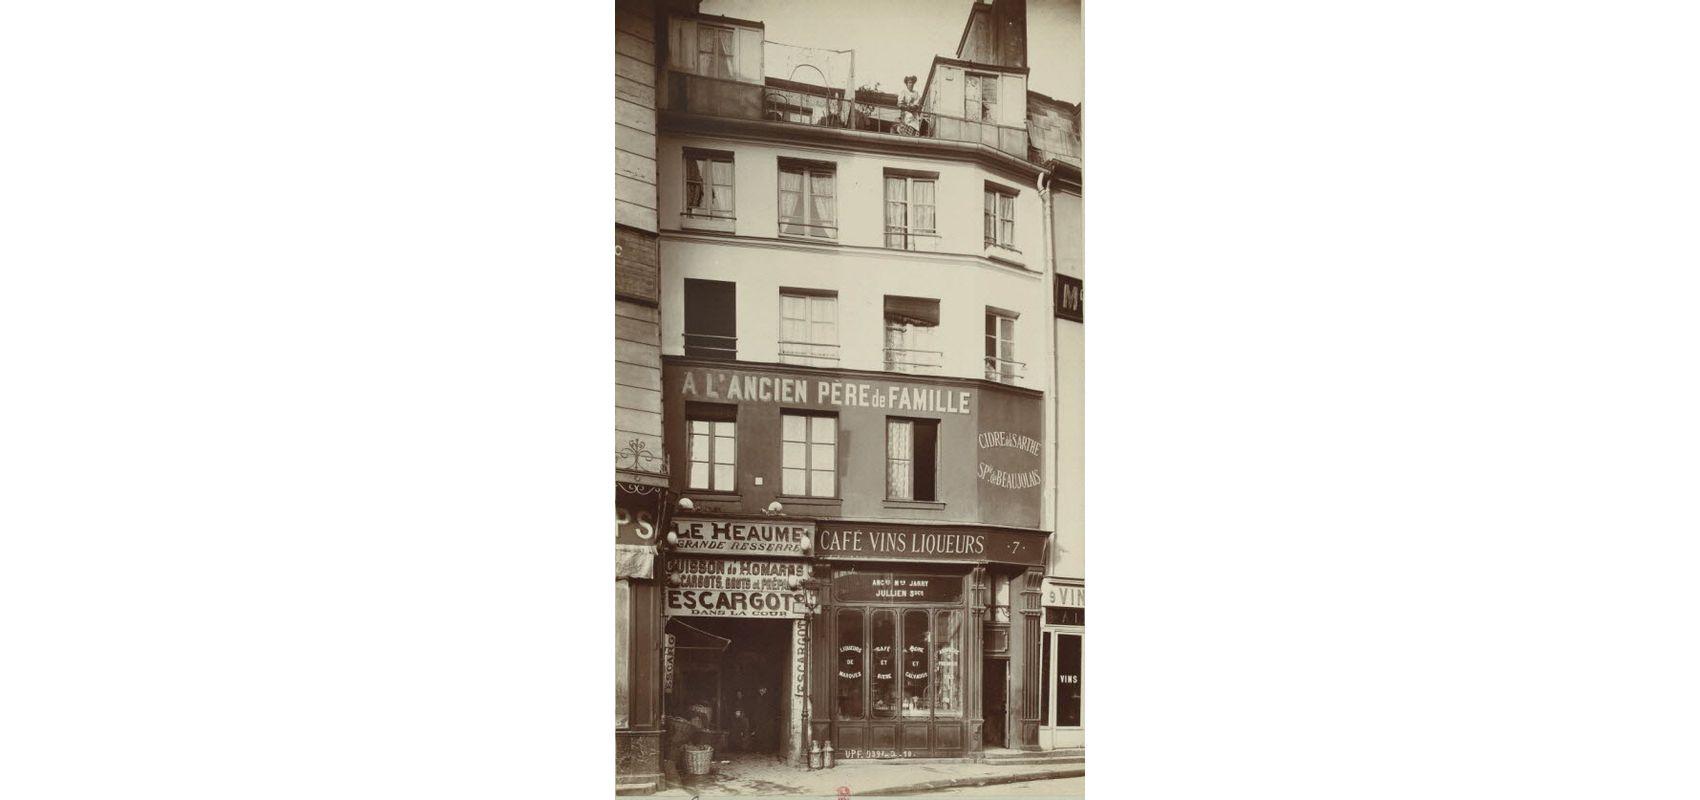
[824, 107]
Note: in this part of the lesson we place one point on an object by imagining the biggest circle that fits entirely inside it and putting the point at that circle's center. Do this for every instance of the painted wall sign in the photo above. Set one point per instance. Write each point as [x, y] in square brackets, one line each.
[667, 663]
[724, 587]
[1071, 298]
[753, 537]
[799, 656]
[1010, 459]
[750, 387]
[1025, 479]
[1063, 594]
[636, 509]
[855, 586]
[879, 541]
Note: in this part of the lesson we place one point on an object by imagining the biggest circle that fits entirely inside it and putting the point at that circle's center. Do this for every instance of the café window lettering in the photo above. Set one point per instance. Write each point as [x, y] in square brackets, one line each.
[896, 662]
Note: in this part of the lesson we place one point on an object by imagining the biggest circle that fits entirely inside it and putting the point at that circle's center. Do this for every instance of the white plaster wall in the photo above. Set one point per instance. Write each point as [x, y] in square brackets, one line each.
[862, 278]
[1068, 558]
[860, 194]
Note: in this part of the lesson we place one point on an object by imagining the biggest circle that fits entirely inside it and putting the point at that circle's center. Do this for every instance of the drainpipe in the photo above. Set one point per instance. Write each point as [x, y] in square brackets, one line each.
[1043, 184]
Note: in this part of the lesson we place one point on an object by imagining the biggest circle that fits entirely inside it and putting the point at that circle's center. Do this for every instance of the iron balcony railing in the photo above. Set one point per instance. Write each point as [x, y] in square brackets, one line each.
[709, 345]
[917, 362]
[719, 97]
[793, 226]
[905, 239]
[1004, 370]
[808, 354]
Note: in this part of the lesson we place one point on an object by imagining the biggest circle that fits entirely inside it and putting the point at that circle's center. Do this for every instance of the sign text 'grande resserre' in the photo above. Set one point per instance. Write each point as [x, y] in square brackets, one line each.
[750, 537]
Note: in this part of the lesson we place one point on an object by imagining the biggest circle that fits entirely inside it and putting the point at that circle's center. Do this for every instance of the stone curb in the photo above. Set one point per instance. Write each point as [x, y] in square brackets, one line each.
[981, 780]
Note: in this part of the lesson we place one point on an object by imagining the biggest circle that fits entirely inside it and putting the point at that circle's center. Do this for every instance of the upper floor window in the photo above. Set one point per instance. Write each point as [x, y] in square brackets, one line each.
[911, 329]
[806, 203]
[708, 183]
[808, 327]
[911, 459]
[1001, 365]
[911, 211]
[711, 319]
[981, 94]
[809, 463]
[713, 446]
[1000, 217]
[717, 51]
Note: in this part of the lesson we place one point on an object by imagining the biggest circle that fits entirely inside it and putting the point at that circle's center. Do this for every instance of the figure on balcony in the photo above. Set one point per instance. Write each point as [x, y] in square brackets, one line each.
[909, 107]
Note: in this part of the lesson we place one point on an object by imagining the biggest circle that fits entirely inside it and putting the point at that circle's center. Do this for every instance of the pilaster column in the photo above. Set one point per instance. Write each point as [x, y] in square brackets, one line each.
[1026, 678]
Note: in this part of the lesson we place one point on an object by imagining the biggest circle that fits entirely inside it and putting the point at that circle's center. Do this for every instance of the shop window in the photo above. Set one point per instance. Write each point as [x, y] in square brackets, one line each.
[1068, 680]
[917, 673]
[708, 184]
[808, 327]
[809, 464]
[882, 660]
[851, 663]
[911, 449]
[911, 211]
[911, 330]
[711, 319]
[807, 206]
[622, 653]
[947, 665]
[713, 446]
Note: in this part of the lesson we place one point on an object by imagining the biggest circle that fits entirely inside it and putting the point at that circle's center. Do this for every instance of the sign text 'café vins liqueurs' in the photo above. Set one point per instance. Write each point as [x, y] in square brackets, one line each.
[717, 385]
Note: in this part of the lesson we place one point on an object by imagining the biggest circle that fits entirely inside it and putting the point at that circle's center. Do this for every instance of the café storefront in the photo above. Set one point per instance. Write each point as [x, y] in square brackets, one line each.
[905, 640]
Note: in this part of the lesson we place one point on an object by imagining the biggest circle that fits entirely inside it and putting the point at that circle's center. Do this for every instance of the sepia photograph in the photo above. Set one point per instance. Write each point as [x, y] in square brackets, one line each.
[1384, 433]
[849, 365]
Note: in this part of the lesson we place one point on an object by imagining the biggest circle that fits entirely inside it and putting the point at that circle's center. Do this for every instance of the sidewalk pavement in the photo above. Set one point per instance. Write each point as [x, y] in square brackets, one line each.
[749, 778]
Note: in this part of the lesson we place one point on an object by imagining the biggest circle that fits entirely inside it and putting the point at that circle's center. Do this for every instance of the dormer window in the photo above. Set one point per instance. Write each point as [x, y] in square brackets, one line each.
[981, 94]
[717, 51]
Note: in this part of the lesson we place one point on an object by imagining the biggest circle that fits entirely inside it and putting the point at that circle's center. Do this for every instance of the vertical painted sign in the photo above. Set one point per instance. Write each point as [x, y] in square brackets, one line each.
[1071, 298]
[667, 664]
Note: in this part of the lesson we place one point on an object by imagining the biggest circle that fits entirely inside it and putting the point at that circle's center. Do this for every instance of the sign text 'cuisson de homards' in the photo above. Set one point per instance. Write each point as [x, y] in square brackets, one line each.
[729, 587]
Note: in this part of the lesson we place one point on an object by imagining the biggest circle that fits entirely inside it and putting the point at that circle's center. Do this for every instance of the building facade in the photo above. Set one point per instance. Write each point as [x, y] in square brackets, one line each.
[640, 456]
[855, 381]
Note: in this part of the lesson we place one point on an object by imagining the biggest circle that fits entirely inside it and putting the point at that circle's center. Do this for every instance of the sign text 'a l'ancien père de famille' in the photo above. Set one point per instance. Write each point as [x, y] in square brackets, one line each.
[711, 384]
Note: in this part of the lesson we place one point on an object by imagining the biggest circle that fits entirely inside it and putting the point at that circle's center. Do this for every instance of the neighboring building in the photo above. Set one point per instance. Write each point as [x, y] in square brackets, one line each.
[859, 392]
[640, 460]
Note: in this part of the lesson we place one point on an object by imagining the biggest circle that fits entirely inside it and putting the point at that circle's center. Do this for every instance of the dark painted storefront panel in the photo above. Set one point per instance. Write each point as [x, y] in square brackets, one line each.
[1010, 467]
[862, 402]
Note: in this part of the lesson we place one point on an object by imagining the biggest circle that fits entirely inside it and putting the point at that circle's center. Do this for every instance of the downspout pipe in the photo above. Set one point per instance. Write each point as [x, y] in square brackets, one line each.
[1042, 182]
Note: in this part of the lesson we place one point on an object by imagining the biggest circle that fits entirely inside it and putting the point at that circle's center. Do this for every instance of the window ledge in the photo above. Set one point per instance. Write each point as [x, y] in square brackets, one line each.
[711, 495]
[924, 504]
[803, 499]
[696, 222]
[803, 237]
[1007, 255]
